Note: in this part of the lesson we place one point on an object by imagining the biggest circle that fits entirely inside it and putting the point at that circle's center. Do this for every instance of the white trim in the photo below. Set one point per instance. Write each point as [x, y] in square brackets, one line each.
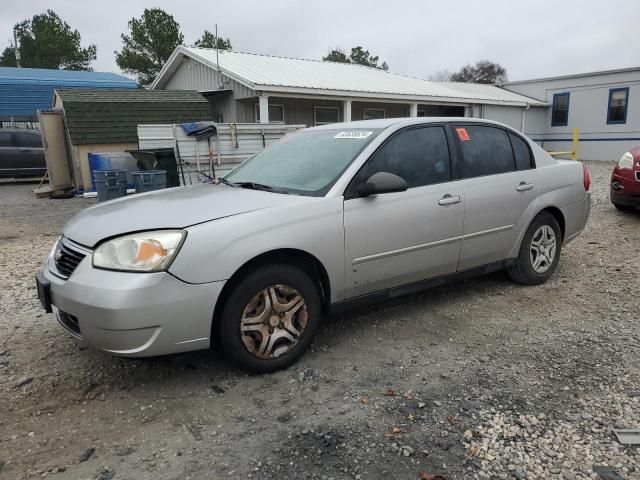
[325, 107]
[365, 110]
[256, 111]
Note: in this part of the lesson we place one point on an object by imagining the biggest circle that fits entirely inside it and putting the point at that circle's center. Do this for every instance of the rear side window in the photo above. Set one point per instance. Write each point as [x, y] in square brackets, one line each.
[29, 139]
[420, 156]
[521, 152]
[6, 139]
[485, 151]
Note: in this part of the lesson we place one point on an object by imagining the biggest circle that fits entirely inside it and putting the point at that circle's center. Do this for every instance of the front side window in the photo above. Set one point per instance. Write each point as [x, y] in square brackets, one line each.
[276, 113]
[617, 109]
[6, 139]
[325, 115]
[560, 110]
[485, 151]
[419, 156]
[307, 162]
[373, 113]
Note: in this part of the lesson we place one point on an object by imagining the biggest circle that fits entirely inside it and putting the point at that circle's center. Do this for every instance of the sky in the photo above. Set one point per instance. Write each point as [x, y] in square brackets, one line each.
[531, 39]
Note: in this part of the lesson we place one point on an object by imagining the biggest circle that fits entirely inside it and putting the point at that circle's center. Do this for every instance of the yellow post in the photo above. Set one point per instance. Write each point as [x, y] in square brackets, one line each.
[574, 148]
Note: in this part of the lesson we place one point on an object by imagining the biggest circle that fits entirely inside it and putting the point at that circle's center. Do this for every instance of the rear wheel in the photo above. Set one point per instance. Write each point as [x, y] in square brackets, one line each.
[539, 252]
[270, 318]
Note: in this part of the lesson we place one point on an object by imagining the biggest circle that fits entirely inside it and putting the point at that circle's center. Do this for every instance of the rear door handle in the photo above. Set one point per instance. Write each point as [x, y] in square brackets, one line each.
[523, 187]
[448, 200]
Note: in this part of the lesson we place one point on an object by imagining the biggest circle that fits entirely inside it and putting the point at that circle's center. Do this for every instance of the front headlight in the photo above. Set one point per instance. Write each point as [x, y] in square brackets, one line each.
[140, 252]
[626, 161]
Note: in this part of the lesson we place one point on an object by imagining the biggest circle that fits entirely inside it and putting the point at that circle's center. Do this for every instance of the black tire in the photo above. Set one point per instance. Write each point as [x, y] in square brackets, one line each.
[228, 331]
[522, 270]
[624, 208]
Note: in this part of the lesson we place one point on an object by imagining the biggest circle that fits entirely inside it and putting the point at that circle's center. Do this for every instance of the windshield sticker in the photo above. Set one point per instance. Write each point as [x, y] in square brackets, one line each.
[463, 135]
[357, 134]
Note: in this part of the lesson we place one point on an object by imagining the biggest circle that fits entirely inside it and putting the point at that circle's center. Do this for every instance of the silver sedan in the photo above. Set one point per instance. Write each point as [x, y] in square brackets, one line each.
[326, 218]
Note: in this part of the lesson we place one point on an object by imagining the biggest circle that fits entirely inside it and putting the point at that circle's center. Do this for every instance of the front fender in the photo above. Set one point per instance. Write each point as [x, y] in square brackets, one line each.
[214, 251]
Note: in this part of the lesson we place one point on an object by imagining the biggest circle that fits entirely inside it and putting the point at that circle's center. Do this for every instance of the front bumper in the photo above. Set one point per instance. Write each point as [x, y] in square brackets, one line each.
[626, 200]
[133, 314]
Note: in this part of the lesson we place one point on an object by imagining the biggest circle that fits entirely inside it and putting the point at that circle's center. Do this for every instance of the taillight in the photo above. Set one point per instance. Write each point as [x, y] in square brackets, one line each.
[586, 177]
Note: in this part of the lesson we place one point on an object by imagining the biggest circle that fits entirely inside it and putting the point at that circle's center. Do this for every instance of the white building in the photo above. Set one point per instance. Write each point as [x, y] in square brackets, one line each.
[604, 106]
[245, 88]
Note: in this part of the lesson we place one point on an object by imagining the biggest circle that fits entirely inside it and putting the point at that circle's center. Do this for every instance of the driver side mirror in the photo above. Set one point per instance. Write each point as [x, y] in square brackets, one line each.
[381, 182]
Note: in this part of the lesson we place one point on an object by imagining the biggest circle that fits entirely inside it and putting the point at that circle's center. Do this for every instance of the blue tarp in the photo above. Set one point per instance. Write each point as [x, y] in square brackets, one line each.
[199, 129]
[24, 91]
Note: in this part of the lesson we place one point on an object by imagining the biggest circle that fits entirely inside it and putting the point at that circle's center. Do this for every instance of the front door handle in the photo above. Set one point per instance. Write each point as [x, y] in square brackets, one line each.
[523, 187]
[448, 200]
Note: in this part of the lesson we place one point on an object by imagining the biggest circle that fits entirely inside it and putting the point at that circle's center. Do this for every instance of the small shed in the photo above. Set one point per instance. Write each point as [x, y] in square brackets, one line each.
[24, 91]
[106, 120]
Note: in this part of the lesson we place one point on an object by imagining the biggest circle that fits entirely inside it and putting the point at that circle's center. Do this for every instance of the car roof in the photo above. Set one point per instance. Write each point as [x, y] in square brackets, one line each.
[383, 123]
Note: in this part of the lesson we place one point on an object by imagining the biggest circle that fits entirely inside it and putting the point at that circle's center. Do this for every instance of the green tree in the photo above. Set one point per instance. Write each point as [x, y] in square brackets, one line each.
[484, 71]
[208, 40]
[363, 57]
[149, 44]
[336, 55]
[47, 41]
[358, 56]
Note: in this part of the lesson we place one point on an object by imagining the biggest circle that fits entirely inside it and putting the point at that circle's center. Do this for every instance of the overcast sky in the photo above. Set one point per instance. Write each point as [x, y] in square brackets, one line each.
[419, 38]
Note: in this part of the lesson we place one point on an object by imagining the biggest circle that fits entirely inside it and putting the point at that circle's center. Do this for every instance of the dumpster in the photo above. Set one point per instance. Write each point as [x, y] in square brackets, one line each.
[159, 159]
[111, 184]
[149, 180]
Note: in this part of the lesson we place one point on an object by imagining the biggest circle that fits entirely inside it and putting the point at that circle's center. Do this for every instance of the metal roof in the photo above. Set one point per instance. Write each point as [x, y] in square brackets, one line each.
[293, 75]
[24, 91]
[576, 75]
[96, 116]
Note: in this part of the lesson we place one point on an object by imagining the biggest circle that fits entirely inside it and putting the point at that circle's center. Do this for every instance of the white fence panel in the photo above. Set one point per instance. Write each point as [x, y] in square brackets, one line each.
[224, 150]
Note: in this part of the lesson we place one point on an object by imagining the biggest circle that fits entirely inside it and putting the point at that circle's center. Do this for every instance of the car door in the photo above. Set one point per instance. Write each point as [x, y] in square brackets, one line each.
[9, 155]
[500, 193]
[403, 237]
[31, 153]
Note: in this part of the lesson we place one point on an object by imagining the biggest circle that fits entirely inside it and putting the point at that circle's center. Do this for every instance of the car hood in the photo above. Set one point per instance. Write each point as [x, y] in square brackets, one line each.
[171, 208]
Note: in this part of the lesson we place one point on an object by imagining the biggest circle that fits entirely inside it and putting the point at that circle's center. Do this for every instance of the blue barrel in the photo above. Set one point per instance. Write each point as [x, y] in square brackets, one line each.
[149, 180]
[111, 184]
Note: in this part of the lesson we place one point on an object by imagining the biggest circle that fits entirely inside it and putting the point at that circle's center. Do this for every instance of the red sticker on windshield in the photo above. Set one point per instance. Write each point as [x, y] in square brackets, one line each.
[463, 135]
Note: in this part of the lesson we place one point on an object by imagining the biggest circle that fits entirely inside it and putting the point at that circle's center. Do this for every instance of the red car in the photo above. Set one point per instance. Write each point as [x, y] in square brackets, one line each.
[625, 182]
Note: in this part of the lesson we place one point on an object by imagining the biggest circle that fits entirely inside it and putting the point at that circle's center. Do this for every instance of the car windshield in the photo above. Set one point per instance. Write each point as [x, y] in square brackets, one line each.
[307, 162]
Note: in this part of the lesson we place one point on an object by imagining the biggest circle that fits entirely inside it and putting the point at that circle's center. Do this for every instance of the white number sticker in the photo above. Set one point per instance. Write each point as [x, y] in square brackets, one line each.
[357, 134]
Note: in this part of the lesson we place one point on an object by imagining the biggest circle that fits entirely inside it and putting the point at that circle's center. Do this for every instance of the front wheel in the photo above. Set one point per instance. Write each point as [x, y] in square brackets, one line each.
[270, 318]
[539, 252]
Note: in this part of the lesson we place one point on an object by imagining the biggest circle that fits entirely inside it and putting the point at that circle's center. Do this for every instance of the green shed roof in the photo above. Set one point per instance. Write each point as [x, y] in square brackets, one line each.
[113, 115]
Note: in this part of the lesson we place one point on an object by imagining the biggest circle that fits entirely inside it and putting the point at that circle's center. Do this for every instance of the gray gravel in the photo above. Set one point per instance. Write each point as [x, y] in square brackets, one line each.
[480, 379]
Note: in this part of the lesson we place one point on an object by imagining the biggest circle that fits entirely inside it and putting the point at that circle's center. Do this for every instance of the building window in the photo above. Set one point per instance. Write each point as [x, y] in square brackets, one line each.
[617, 109]
[560, 110]
[276, 113]
[325, 115]
[373, 113]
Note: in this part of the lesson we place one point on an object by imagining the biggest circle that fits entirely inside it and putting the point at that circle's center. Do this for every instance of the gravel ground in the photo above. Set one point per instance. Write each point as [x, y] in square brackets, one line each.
[479, 379]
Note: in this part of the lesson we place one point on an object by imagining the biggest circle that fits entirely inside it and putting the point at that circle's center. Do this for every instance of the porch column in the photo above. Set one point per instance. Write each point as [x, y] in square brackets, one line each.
[468, 111]
[413, 110]
[346, 109]
[264, 109]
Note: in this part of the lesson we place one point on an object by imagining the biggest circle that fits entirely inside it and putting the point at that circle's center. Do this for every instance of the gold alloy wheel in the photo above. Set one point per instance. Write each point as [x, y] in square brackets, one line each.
[273, 321]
